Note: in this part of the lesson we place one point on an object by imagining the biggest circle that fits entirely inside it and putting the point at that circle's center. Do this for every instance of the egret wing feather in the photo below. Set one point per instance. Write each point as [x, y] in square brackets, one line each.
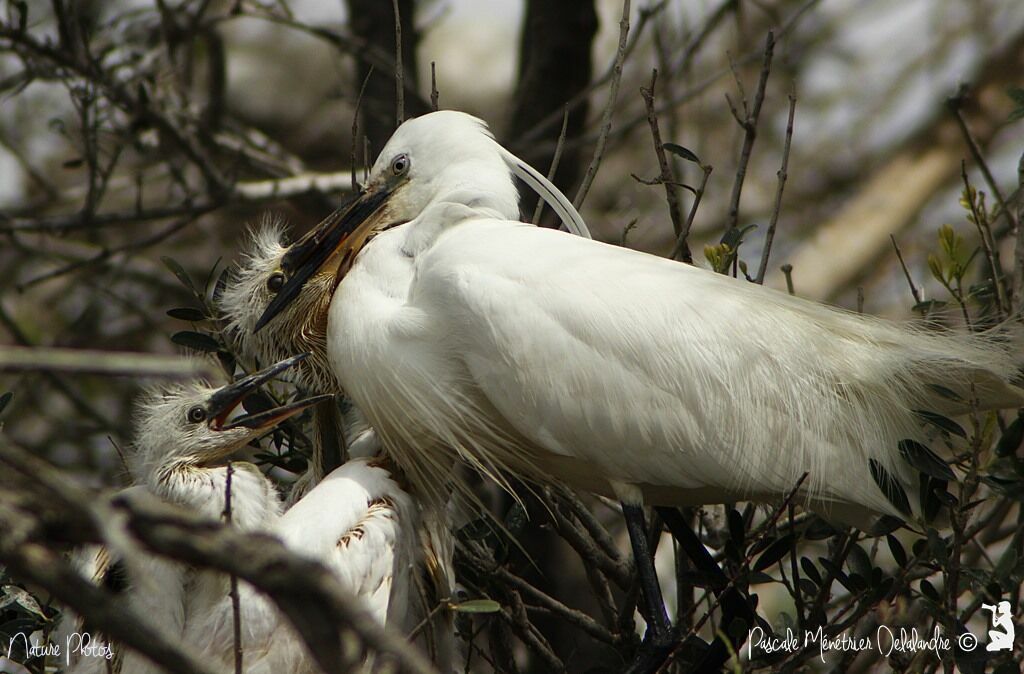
[670, 376]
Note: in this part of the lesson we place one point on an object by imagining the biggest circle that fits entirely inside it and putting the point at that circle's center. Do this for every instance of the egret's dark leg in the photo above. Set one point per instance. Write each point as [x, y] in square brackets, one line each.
[660, 638]
[734, 604]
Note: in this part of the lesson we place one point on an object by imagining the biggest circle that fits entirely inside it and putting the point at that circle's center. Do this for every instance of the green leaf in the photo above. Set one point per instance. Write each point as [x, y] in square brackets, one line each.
[947, 393]
[1011, 488]
[196, 341]
[1011, 439]
[189, 314]
[925, 460]
[818, 530]
[928, 590]
[859, 562]
[737, 527]
[890, 487]
[12, 594]
[733, 236]
[896, 548]
[808, 587]
[682, 152]
[886, 524]
[180, 272]
[476, 606]
[944, 424]
[810, 570]
[836, 573]
[774, 552]
[937, 547]
[930, 502]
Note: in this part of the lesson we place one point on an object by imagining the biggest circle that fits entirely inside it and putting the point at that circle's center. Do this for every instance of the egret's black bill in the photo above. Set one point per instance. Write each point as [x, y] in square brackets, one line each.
[312, 251]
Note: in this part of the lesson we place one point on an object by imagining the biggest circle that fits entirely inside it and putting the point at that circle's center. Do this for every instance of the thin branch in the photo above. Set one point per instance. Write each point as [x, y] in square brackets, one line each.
[955, 106]
[906, 272]
[987, 243]
[236, 607]
[104, 363]
[399, 68]
[606, 117]
[1018, 257]
[749, 124]
[355, 127]
[782, 174]
[677, 250]
[434, 95]
[554, 164]
[667, 177]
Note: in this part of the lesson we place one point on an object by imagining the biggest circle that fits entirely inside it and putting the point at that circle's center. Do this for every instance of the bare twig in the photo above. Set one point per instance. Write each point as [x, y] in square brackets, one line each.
[609, 108]
[1018, 257]
[434, 95]
[955, 106]
[236, 608]
[777, 207]
[987, 243]
[355, 127]
[680, 244]
[105, 363]
[749, 121]
[554, 164]
[787, 271]
[906, 272]
[667, 176]
[399, 68]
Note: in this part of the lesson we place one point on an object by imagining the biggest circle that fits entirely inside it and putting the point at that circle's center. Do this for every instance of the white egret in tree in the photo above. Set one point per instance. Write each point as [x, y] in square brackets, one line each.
[454, 326]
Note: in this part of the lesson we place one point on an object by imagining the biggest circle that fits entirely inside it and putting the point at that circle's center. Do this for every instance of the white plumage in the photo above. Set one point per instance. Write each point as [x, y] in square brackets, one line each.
[358, 522]
[459, 327]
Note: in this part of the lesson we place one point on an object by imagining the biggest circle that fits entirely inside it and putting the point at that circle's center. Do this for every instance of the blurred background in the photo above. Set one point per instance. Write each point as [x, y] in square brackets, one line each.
[134, 130]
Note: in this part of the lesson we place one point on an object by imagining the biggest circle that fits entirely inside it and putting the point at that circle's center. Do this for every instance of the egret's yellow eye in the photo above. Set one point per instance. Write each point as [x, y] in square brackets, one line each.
[275, 282]
[196, 414]
[400, 164]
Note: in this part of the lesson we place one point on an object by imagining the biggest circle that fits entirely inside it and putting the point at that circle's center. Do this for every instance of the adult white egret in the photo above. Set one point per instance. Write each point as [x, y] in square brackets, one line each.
[457, 326]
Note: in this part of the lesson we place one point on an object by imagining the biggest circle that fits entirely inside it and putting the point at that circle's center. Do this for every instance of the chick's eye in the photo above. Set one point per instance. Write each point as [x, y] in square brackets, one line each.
[275, 282]
[196, 414]
[400, 164]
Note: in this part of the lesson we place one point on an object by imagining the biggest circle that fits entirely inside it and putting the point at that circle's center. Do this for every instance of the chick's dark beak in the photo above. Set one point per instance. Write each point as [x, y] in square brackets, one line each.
[224, 401]
[305, 258]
